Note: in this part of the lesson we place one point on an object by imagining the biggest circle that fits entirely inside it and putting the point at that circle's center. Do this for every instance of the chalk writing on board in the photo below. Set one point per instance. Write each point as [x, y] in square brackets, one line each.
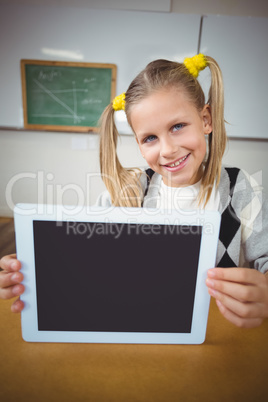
[72, 111]
[61, 95]
[48, 76]
[88, 80]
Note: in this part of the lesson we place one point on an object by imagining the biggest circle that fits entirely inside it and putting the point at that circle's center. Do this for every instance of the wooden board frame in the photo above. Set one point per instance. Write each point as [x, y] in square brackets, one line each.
[52, 127]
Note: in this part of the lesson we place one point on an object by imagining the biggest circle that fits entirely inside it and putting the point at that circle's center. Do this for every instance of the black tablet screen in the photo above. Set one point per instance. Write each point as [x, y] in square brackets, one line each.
[115, 277]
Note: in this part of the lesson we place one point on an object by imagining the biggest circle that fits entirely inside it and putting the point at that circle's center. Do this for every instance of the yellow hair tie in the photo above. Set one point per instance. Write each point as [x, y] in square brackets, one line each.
[119, 102]
[195, 64]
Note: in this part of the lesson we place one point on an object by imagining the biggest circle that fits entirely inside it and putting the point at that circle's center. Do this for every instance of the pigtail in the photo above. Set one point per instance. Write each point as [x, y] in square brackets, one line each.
[217, 139]
[122, 184]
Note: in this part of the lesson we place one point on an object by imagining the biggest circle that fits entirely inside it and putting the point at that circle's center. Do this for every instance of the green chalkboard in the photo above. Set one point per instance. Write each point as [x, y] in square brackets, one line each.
[65, 96]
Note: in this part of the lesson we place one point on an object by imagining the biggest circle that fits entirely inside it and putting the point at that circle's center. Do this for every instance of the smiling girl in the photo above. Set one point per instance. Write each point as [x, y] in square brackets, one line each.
[183, 139]
[166, 109]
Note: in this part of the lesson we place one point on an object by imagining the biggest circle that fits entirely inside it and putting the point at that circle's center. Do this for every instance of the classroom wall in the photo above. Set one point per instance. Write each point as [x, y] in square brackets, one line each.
[56, 167]
[257, 8]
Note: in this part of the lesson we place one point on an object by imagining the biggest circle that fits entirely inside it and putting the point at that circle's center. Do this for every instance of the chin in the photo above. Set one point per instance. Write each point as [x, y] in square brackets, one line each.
[180, 182]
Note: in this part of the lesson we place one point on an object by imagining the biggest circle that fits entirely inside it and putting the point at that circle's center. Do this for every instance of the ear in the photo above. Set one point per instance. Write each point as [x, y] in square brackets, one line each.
[207, 119]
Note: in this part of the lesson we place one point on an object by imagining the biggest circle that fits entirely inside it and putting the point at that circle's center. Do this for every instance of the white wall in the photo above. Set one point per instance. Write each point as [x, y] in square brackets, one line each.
[257, 8]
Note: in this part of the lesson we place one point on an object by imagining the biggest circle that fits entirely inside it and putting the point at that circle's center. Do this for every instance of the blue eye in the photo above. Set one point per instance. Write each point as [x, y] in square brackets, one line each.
[177, 127]
[150, 138]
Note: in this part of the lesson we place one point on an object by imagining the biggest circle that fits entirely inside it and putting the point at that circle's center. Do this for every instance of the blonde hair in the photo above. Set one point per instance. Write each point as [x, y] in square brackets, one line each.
[123, 184]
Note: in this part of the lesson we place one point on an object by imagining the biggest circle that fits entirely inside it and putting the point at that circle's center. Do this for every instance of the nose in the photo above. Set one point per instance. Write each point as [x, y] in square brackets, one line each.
[167, 148]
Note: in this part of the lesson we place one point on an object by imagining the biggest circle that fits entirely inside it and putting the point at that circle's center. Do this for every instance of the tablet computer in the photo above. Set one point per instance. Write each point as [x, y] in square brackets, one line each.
[115, 275]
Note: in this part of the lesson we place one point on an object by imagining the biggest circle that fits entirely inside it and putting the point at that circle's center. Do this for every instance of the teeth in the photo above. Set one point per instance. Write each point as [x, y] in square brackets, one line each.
[178, 162]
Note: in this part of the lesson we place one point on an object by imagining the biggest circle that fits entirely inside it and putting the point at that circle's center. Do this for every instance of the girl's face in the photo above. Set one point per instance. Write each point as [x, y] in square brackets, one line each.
[170, 132]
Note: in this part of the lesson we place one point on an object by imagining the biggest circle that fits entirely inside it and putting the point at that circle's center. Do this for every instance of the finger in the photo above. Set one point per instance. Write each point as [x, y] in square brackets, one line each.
[10, 263]
[241, 292]
[238, 321]
[11, 291]
[237, 274]
[17, 306]
[10, 278]
[241, 275]
[241, 309]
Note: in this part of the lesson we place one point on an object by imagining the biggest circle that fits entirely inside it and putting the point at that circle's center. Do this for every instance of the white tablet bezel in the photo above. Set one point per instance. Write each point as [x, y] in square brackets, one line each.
[25, 214]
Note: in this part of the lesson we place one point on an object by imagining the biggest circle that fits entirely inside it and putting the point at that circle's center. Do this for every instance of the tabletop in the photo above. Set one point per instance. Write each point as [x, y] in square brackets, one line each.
[231, 365]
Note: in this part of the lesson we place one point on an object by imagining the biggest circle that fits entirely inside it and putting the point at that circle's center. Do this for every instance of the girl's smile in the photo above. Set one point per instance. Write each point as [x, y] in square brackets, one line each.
[170, 132]
[177, 165]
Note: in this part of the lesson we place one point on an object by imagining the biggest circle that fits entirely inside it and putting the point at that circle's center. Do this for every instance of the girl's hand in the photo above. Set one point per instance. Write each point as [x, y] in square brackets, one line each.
[241, 294]
[10, 281]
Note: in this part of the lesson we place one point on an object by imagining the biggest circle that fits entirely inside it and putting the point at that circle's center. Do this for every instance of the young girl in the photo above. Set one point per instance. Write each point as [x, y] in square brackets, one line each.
[182, 139]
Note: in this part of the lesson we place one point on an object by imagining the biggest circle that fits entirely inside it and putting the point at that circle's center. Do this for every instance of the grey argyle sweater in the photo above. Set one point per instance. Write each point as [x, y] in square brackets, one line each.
[243, 239]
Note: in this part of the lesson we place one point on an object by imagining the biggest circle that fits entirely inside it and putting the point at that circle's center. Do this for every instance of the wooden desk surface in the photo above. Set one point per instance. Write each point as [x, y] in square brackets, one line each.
[232, 365]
